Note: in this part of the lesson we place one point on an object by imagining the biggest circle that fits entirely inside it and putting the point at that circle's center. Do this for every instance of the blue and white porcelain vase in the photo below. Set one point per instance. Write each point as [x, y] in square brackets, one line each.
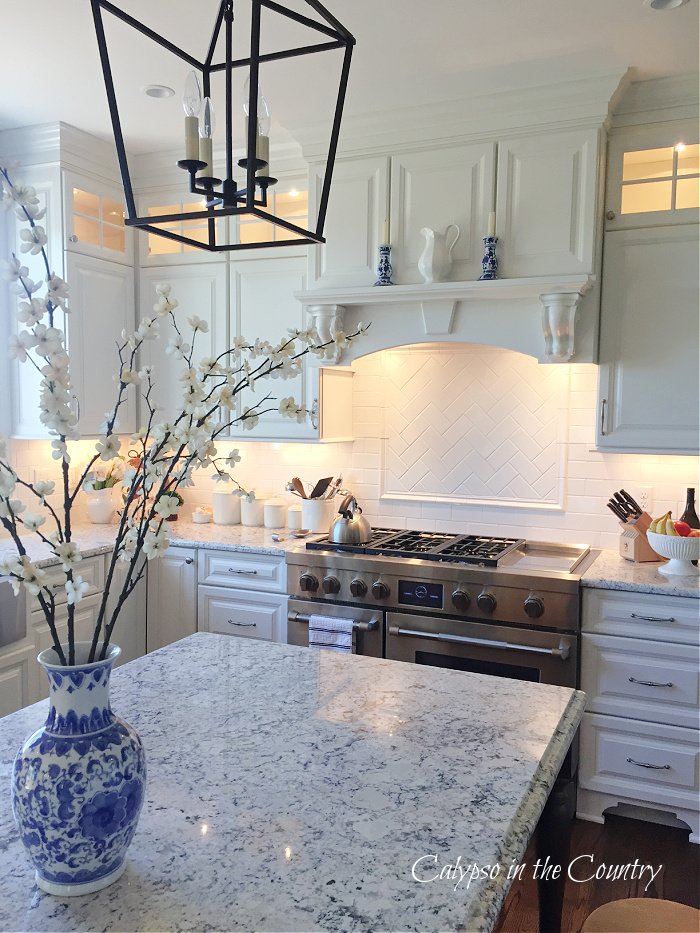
[78, 782]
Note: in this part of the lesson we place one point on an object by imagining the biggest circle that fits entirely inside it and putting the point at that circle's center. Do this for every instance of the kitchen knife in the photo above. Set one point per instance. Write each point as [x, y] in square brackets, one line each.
[624, 504]
[614, 507]
[635, 505]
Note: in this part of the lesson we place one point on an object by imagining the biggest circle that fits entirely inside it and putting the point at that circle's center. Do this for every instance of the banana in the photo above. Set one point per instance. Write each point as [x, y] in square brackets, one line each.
[670, 528]
[654, 525]
[659, 524]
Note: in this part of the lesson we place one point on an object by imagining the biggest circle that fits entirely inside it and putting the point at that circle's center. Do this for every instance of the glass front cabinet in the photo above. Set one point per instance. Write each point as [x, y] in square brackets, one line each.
[94, 220]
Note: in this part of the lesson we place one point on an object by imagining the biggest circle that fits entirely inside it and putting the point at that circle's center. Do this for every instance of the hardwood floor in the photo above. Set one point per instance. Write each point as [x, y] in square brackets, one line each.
[618, 842]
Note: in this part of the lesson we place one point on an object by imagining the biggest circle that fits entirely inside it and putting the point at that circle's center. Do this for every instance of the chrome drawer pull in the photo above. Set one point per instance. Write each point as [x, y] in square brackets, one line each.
[561, 652]
[644, 764]
[242, 624]
[633, 615]
[245, 573]
[648, 683]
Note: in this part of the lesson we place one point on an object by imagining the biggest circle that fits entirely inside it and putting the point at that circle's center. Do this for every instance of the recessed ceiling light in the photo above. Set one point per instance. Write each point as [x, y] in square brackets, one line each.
[665, 4]
[158, 91]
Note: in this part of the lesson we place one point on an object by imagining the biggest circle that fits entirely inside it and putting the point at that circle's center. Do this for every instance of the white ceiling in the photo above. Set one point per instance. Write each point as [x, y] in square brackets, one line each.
[408, 52]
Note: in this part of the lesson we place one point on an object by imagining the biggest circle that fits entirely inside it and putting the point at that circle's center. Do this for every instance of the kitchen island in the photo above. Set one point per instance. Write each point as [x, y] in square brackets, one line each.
[292, 789]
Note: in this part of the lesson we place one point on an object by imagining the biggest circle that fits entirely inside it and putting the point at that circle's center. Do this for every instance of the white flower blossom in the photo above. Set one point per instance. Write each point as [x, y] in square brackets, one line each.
[44, 487]
[33, 240]
[155, 543]
[31, 312]
[167, 505]
[198, 324]
[20, 344]
[249, 419]
[75, 590]
[288, 407]
[233, 458]
[10, 565]
[31, 522]
[129, 376]
[57, 291]
[33, 579]
[48, 340]
[59, 451]
[12, 270]
[178, 347]
[109, 447]
[68, 553]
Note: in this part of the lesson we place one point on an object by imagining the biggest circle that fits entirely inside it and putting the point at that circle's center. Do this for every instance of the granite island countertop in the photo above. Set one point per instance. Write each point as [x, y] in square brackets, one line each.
[291, 789]
[609, 571]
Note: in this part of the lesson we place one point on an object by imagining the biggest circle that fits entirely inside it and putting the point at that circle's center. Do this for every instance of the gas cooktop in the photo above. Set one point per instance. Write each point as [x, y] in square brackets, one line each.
[484, 550]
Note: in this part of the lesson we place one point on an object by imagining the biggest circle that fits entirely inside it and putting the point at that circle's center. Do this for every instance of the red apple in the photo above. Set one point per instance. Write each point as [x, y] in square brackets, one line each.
[683, 528]
[695, 533]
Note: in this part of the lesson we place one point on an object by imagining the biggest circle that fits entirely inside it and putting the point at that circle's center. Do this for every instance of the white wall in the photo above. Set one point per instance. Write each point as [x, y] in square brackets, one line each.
[587, 478]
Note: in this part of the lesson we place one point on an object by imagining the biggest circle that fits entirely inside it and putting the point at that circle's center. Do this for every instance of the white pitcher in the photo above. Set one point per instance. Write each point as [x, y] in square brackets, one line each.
[436, 259]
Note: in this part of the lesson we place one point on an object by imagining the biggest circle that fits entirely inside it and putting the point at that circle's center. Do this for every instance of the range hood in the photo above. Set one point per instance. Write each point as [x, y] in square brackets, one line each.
[541, 316]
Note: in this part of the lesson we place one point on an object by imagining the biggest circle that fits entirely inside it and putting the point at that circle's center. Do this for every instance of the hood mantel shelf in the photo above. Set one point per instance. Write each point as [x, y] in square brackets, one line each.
[555, 298]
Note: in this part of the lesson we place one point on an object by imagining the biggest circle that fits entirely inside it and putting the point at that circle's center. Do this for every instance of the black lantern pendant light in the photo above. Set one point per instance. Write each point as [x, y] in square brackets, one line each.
[224, 197]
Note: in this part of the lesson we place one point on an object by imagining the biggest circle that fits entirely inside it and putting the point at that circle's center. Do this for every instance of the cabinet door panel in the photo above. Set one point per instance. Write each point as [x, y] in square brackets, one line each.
[436, 188]
[246, 614]
[172, 597]
[263, 305]
[86, 613]
[200, 290]
[130, 629]
[357, 209]
[102, 306]
[649, 340]
[14, 679]
[546, 203]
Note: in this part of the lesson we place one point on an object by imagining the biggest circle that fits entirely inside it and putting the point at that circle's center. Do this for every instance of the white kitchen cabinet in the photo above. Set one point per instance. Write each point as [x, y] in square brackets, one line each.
[102, 306]
[648, 389]
[358, 206]
[248, 614]
[653, 175]
[172, 597]
[434, 188]
[546, 203]
[15, 662]
[201, 290]
[130, 629]
[640, 743]
[94, 219]
[155, 250]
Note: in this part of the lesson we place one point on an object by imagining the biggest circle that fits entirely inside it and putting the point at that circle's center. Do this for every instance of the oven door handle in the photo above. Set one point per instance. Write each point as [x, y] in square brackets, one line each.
[358, 625]
[561, 652]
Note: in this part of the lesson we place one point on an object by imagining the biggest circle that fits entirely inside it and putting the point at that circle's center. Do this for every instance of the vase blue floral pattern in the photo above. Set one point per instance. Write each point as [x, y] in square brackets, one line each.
[78, 782]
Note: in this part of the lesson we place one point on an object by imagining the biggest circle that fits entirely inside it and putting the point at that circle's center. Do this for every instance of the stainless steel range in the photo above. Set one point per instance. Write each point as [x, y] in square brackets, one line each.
[501, 606]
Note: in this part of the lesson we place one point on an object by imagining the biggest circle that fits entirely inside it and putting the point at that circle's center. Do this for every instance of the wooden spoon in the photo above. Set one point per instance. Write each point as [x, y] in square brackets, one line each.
[299, 486]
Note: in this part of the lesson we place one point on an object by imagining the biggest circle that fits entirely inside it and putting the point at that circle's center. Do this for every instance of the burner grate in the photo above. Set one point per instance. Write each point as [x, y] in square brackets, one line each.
[415, 542]
[478, 549]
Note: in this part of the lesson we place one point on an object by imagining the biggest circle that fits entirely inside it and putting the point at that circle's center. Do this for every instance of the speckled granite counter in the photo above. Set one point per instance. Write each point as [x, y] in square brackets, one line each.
[98, 539]
[612, 572]
[291, 789]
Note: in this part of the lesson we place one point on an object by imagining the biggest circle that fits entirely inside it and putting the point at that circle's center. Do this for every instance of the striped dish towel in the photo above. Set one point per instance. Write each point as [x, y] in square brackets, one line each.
[331, 633]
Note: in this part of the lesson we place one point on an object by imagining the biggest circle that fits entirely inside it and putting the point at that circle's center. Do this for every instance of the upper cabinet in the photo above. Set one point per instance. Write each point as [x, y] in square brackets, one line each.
[435, 188]
[653, 176]
[94, 220]
[546, 203]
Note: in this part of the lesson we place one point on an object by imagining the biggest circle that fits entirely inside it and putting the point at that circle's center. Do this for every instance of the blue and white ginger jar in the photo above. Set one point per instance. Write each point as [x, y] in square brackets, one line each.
[78, 782]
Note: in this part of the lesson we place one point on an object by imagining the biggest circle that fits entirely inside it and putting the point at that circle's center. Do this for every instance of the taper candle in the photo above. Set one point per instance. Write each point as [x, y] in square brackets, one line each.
[492, 224]
[191, 138]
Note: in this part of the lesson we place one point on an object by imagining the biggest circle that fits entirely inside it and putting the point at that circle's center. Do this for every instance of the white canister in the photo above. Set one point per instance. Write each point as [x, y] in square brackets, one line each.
[316, 515]
[275, 513]
[227, 508]
[252, 512]
[100, 505]
[294, 518]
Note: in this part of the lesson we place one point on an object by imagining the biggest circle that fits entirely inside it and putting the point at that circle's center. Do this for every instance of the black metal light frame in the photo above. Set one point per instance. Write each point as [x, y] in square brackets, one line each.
[229, 199]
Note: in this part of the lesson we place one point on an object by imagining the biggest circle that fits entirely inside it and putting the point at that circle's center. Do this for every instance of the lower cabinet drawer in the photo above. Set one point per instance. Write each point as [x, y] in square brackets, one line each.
[641, 615]
[638, 679]
[244, 570]
[91, 569]
[650, 763]
[241, 612]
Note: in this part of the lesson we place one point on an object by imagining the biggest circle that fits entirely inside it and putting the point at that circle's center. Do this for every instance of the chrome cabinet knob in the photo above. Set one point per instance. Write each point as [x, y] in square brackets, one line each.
[486, 602]
[461, 600]
[380, 590]
[308, 583]
[331, 585]
[534, 606]
[358, 587]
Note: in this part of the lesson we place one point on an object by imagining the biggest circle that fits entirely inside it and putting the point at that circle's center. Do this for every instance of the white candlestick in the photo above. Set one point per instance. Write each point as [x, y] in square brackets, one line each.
[191, 138]
[492, 224]
[385, 234]
[205, 155]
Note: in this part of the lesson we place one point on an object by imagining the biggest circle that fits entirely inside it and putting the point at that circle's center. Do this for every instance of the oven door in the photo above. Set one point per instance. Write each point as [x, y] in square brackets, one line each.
[504, 651]
[368, 631]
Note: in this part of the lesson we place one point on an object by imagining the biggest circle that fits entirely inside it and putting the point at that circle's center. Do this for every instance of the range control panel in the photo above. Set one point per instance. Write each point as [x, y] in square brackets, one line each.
[428, 595]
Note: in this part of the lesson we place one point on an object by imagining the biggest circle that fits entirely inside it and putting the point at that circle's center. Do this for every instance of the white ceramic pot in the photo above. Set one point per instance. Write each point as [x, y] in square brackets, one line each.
[316, 515]
[275, 513]
[294, 518]
[227, 508]
[100, 505]
[252, 513]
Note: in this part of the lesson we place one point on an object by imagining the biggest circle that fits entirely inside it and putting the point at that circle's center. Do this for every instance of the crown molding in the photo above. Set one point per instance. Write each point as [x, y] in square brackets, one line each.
[61, 144]
[582, 102]
[659, 100]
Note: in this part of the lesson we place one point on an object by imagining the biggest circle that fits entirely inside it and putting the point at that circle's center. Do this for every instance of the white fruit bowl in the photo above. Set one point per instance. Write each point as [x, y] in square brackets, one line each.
[679, 551]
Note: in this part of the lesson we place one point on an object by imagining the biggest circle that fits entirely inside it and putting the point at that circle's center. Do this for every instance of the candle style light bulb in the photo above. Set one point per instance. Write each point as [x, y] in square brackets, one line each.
[262, 146]
[191, 104]
[207, 125]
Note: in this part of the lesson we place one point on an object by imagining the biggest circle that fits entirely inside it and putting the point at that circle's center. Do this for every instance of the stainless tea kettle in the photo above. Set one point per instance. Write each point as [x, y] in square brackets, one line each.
[350, 527]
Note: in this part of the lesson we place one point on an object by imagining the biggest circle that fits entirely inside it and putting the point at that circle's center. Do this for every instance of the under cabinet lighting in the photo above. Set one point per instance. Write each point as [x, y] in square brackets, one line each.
[680, 147]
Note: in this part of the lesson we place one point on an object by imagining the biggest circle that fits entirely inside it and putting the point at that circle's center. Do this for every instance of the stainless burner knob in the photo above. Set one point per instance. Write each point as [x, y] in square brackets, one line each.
[461, 600]
[380, 590]
[358, 587]
[486, 602]
[534, 606]
[331, 585]
[308, 583]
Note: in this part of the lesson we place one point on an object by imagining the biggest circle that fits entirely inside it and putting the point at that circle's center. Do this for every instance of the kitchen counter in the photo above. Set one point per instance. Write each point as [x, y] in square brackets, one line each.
[99, 539]
[612, 572]
[291, 789]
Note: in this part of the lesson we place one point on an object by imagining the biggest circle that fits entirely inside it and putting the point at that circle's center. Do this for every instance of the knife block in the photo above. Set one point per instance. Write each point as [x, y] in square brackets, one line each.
[633, 540]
